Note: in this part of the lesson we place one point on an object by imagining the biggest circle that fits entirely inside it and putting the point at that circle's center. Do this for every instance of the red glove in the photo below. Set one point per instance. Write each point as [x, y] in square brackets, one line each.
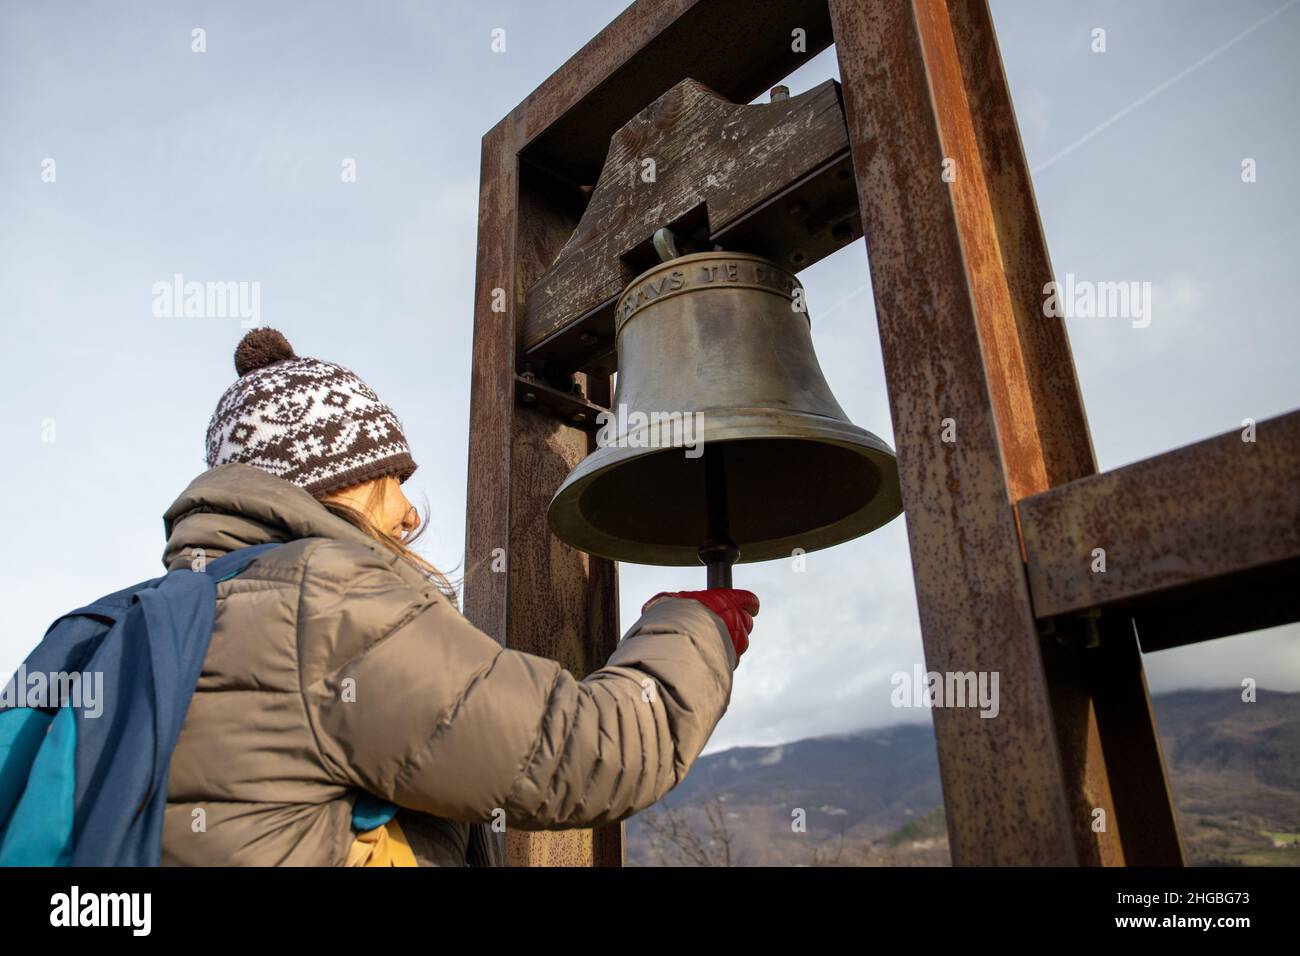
[735, 607]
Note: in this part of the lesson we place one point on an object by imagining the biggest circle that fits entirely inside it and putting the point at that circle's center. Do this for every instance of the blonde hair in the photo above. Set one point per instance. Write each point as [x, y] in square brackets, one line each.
[398, 545]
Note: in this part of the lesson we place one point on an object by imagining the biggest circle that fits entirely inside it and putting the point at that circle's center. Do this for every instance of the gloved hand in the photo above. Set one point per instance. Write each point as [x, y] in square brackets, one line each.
[734, 606]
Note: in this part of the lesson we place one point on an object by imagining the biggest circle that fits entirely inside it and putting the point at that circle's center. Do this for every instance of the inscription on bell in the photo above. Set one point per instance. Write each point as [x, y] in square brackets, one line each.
[711, 274]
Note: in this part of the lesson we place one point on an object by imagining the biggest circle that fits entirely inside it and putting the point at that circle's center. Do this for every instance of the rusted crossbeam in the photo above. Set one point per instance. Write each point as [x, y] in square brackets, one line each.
[1196, 543]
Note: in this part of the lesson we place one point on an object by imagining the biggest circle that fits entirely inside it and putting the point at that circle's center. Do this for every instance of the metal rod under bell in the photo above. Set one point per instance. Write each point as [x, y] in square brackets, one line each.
[718, 552]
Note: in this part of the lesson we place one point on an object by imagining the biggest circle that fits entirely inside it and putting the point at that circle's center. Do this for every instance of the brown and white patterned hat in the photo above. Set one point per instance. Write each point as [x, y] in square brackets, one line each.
[309, 422]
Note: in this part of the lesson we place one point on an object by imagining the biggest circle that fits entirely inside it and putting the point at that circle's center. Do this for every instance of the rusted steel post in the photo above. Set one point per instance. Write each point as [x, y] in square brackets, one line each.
[958, 264]
[521, 586]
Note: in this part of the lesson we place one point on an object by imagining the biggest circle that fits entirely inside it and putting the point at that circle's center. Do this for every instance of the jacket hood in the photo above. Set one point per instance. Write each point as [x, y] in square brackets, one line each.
[236, 505]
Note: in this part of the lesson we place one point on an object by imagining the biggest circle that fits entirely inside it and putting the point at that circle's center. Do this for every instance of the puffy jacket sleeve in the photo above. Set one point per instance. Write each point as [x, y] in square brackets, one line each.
[437, 717]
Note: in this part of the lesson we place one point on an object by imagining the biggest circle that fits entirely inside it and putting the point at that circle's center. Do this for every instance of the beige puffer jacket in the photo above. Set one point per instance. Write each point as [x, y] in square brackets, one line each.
[336, 667]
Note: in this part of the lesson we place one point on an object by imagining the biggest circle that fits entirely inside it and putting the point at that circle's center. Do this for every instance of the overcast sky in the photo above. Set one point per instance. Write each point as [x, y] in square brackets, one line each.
[225, 166]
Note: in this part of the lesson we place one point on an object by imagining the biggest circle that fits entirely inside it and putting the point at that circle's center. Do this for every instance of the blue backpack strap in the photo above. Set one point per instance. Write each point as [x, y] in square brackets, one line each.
[38, 737]
[177, 618]
[73, 638]
[89, 787]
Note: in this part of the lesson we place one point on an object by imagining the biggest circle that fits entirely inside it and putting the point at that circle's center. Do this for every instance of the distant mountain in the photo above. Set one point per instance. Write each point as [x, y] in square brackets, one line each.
[1235, 772]
[873, 797]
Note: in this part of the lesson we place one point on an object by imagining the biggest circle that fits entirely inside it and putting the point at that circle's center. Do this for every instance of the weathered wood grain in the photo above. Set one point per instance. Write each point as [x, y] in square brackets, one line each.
[688, 151]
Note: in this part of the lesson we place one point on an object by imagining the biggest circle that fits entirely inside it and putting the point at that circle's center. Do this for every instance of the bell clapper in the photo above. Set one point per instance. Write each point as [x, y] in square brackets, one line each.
[718, 552]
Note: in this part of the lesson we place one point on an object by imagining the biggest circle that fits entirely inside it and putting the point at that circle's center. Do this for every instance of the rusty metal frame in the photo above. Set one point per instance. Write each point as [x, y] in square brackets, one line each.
[958, 269]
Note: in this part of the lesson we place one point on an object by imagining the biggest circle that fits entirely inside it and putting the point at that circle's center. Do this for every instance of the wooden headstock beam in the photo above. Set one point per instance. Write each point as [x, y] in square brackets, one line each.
[706, 166]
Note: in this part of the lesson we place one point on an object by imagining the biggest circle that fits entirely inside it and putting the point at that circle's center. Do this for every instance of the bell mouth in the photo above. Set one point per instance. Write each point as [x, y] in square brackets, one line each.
[794, 483]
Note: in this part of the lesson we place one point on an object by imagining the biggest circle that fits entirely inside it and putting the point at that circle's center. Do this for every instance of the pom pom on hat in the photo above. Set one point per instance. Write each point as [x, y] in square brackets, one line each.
[260, 348]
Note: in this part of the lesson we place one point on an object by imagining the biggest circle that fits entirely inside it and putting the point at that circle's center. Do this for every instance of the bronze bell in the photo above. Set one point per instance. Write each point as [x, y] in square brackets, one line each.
[724, 442]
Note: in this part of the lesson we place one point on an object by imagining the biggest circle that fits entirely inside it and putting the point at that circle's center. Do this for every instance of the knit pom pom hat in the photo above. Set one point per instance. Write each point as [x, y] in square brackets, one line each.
[309, 422]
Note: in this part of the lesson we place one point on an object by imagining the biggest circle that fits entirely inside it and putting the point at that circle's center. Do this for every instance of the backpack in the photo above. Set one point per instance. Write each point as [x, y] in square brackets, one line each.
[89, 722]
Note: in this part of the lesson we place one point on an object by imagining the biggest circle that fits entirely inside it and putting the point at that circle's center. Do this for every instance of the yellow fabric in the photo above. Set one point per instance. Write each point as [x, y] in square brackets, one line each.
[382, 846]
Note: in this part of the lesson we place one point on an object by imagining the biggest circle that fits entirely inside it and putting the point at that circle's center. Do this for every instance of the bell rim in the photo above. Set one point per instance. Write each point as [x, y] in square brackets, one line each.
[563, 511]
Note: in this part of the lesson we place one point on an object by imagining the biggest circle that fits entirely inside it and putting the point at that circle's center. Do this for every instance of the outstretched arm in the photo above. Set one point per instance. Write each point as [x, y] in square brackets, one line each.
[443, 720]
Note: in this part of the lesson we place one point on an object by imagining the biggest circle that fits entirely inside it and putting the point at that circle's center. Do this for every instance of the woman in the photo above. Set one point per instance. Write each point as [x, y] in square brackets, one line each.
[341, 671]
